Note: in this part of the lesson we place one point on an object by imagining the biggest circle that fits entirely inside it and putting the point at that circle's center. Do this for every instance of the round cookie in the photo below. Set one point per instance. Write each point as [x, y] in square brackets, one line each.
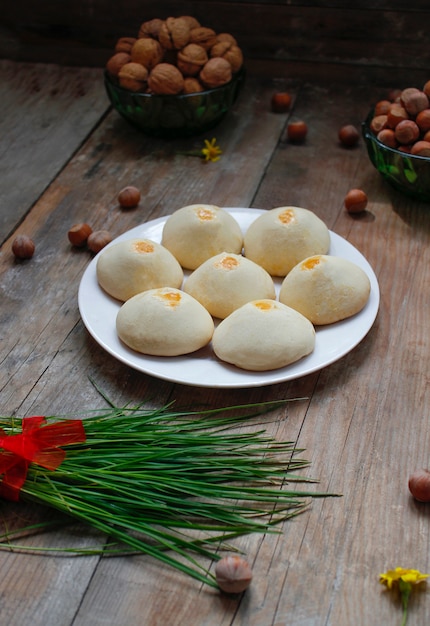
[326, 289]
[197, 232]
[226, 281]
[164, 322]
[134, 265]
[263, 335]
[282, 237]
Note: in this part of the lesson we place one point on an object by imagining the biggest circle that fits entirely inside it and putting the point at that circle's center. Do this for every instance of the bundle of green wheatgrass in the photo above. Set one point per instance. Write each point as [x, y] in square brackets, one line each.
[172, 484]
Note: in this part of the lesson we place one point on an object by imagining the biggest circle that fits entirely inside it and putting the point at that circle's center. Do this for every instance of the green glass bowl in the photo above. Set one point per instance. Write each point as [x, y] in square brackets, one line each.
[183, 115]
[408, 173]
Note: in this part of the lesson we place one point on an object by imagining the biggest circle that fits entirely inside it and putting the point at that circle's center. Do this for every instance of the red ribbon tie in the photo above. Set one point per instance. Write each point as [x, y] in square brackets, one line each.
[34, 444]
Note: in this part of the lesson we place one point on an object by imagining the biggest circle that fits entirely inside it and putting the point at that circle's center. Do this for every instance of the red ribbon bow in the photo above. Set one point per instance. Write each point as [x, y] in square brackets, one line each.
[34, 445]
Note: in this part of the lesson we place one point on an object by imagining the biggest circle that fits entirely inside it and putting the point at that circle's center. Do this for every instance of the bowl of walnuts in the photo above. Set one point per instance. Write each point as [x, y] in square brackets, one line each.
[397, 136]
[175, 78]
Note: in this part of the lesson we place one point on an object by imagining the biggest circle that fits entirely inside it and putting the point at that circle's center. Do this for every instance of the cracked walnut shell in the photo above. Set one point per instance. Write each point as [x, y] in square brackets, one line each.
[165, 79]
[191, 59]
[216, 72]
[174, 33]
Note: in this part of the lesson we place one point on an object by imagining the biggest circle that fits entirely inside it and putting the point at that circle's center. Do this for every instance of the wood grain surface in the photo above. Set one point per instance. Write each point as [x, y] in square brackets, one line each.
[363, 422]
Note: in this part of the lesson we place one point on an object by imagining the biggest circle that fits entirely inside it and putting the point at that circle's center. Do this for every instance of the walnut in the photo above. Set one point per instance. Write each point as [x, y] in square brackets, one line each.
[133, 76]
[216, 72]
[226, 37]
[116, 62]
[191, 59]
[147, 52]
[192, 85]
[174, 33]
[230, 52]
[205, 37]
[151, 28]
[165, 79]
[191, 21]
[124, 44]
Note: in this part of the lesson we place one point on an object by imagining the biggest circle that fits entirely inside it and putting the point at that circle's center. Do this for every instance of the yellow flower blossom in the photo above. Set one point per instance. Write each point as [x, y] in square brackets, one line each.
[403, 578]
[412, 576]
[211, 152]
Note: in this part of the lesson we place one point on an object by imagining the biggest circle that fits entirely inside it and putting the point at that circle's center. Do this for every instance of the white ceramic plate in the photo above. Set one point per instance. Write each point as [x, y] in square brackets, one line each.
[202, 368]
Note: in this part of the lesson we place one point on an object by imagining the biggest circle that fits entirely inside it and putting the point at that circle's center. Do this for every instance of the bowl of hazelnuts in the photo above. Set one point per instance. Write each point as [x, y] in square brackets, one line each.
[175, 77]
[397, 136]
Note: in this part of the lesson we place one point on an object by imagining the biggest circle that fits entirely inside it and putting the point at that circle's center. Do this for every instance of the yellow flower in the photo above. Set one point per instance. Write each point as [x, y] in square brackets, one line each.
[404, 579]
[211, 152]
[412, 576]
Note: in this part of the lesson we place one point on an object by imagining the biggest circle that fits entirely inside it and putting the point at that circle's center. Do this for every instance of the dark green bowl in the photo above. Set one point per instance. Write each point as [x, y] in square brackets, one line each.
[174, 116]
[408, 173]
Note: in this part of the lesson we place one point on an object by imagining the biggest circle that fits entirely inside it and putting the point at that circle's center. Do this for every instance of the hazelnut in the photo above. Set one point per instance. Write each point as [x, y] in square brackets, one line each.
[147, 52]
[396, 114]
[355, 201]
[129, 197]
[297, 131]
[116, 62]
[124, 44]
[426, 89]
[378, 123]
[348, 135]
[133, 76]
[166, 79]
[151, 28]
[233, 574]
[216, 72]
[421, 148]
[387, 136]
[407, 131]
[414, 100]
[23, 247]
[205, 37]
[382, 107]
[79, 233]
[98, 239]
[419, 485]
[423, 120]
[280, 102]
[191, 59]
[174, 33]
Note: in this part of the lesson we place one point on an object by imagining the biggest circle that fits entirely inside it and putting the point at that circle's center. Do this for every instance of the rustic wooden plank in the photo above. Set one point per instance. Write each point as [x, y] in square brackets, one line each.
[47, 112]
[316, 32]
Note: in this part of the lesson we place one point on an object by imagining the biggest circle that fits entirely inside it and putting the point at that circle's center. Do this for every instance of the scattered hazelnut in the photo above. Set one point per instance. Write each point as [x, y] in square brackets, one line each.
[419, 485]
[281, 102]
[23, 247]
[79, 233]
[129, 197]
[233, 574]
[297, 131]
[349, 135]
[355, 201]
[98, 240]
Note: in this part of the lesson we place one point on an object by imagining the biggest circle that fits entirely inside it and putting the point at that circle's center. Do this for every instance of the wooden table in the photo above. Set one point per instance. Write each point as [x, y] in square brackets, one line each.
[365, 425]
